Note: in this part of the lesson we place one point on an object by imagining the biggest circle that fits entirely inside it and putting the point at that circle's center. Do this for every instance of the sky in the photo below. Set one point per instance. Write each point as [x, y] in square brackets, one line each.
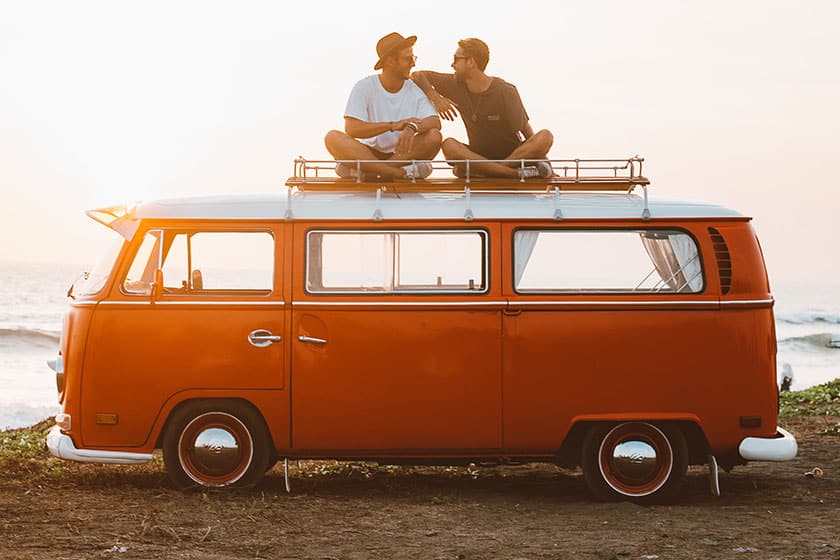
[104, 103]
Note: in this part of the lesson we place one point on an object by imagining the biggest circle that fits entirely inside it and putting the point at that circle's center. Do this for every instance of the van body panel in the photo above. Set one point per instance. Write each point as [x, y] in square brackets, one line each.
[565, 363]
[397, 378]
[749, 276]
[145, 354]
[74, 335]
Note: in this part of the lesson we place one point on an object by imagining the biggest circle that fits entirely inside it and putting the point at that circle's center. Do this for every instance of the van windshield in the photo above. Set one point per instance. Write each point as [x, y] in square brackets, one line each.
[92, 282]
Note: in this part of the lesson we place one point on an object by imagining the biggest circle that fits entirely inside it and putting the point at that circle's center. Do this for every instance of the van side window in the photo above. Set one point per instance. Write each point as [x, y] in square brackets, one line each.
[396, 261]
[204, 262]
[606, 261]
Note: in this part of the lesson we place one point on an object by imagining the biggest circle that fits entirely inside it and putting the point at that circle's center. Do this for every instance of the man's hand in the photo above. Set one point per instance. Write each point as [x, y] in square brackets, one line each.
[404, 143]
[444, 106]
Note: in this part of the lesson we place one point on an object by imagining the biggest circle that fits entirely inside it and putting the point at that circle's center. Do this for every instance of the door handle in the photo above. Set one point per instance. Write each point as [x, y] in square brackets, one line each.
[312, 339]
[262, 338]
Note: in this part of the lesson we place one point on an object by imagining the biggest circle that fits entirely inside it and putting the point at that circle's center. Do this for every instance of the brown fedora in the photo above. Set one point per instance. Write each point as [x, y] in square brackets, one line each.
[391, 43]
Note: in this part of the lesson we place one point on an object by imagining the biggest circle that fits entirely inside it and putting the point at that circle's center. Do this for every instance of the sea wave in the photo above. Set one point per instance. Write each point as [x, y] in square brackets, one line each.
[19, 415]
[817, 340]
[809, 317]
[37, 336]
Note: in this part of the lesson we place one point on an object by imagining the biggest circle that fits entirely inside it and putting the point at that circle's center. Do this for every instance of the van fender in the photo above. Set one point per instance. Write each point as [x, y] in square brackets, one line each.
[258, 399]
[569, 453]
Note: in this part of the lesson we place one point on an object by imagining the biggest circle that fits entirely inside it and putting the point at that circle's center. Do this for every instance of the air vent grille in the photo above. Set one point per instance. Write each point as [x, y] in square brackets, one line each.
[724, 262]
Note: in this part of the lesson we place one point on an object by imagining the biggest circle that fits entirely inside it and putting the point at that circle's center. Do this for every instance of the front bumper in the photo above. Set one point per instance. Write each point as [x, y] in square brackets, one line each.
[61, 445]
[780, 448]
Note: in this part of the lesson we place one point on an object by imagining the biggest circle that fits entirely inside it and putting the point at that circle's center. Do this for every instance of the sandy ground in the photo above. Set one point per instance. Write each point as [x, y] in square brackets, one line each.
[353, 511]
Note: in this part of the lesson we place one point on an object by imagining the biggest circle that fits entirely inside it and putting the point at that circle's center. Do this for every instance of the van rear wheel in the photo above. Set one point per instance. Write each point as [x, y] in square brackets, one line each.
[216, 444]
[635, 461]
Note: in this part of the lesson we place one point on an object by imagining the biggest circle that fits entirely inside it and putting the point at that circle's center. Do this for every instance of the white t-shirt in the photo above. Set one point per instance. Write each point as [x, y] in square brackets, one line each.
[370, 102]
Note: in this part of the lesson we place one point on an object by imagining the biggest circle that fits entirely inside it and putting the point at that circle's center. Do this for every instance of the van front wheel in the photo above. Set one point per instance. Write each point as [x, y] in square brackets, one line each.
[216, 444]
[635, 461]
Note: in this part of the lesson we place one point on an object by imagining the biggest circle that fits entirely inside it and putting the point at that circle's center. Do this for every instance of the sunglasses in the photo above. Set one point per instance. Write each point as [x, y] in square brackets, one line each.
[455, 59]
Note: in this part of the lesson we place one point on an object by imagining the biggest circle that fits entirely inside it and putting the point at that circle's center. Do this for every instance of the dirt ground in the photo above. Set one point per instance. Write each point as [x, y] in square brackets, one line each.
[338, 511]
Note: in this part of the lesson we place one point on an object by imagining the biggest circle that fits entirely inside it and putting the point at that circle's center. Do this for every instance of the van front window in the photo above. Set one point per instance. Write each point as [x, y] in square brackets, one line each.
[92, 282]
[203, 263]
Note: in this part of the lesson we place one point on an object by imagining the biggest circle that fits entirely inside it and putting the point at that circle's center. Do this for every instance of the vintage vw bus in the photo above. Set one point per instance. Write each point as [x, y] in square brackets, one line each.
[444, 321]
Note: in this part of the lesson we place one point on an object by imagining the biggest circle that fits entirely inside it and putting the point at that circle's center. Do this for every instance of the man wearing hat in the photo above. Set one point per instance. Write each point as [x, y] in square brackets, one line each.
[497, 124]
[388, 118]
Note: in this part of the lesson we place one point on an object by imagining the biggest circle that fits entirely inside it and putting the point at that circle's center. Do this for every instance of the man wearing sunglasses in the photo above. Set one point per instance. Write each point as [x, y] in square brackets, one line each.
[492, 111]
[388, 118]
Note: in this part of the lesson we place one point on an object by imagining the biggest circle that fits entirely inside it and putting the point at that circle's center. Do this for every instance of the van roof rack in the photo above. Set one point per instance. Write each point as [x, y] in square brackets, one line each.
[619, 174]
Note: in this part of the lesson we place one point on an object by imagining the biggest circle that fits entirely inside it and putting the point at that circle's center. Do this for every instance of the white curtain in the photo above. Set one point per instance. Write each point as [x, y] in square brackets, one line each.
[686, 251]
[523, 245]
[675, 258]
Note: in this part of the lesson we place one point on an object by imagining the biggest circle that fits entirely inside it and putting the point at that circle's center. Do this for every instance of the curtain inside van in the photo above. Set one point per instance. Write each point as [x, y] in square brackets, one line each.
[523, 245]
[676, 260]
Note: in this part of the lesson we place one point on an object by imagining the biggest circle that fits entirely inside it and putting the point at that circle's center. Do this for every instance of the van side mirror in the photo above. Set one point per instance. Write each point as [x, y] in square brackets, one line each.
[157, 285]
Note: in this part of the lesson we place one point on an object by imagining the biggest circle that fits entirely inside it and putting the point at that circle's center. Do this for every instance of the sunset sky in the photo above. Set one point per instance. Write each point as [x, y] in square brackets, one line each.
[108, 102]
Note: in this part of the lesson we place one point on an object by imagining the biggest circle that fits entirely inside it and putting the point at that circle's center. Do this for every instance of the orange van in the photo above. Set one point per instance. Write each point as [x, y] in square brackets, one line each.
[446, 321]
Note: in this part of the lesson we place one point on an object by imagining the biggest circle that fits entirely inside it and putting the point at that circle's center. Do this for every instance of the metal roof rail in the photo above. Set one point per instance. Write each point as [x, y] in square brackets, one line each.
[615, 174]
[577, 174]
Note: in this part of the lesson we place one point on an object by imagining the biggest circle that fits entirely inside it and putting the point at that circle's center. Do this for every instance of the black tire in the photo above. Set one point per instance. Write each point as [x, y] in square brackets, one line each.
[635, 461]
[216, 443]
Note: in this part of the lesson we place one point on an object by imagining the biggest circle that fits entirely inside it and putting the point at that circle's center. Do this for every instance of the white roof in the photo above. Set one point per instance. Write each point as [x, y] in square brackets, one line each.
[328, 205]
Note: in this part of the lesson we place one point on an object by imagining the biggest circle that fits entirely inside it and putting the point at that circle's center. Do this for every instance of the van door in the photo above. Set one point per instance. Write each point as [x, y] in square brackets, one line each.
[217, 330]
[396, 341]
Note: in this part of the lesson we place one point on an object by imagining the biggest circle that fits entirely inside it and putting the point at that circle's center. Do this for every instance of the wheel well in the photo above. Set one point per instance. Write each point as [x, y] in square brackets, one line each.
[222, 402]
[569, 455]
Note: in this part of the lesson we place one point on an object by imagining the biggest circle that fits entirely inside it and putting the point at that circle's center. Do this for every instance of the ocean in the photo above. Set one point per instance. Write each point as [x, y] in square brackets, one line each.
[33, 299]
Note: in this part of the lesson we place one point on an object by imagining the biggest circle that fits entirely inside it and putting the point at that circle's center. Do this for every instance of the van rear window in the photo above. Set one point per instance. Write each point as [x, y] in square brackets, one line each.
[606, 261]
[396, 261]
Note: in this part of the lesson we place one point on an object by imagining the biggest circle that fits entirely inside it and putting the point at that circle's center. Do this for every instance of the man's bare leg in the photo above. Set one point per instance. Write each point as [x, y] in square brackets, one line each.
[535, 147]
[453, 150]
[344, 147]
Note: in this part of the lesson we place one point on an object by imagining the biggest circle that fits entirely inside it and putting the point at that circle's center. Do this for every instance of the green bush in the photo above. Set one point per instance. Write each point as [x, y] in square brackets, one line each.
[821, 400]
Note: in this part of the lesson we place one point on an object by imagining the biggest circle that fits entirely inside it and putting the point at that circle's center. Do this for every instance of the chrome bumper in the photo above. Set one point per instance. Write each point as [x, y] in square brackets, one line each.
[61, 445]
[780, 448]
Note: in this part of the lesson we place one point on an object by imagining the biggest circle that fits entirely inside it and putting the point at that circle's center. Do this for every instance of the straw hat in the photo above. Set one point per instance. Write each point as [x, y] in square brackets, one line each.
[391, 43]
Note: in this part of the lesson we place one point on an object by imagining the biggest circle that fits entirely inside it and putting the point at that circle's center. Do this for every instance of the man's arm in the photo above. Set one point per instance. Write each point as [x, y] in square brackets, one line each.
[515, 112]
[362, 129]
[527, 131]
[445, 107]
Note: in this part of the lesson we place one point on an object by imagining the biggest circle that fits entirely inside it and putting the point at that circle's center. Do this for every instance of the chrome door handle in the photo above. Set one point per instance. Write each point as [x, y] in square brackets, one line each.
[262, 338]
[312, 339]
